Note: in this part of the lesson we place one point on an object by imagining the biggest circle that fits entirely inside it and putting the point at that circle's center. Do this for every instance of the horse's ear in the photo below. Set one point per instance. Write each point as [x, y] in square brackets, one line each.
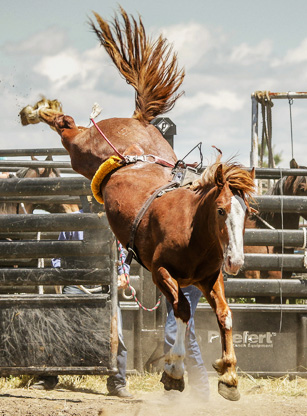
[293, 164]
[253, 173]
[41, 171]
[252, 210]
[219, 178]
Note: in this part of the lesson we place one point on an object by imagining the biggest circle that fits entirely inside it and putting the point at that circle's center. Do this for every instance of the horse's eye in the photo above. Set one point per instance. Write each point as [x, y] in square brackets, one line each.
[221, 211]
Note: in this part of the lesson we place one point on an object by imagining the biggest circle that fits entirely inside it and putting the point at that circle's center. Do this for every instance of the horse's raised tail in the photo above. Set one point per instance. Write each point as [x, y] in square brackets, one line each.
[149, 66]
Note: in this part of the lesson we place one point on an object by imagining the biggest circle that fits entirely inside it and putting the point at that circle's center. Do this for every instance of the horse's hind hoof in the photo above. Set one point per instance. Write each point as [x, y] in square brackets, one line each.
[172, 383]
[228, 392]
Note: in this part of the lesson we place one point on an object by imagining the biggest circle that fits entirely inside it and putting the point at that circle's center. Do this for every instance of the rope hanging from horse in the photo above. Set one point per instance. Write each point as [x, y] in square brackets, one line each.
[133, 292]
[263, 97]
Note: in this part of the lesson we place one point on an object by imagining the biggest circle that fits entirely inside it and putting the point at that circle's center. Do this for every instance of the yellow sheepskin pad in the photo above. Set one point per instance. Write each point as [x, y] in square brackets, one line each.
[112, 163]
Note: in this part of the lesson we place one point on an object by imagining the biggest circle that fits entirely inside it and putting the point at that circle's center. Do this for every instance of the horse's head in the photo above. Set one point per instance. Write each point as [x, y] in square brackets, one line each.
[45, 172]
[231, 212]
[295, 185]
[291, 185]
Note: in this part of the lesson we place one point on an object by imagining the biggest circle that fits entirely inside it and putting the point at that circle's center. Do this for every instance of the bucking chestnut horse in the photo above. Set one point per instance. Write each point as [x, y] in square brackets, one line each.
[186, 235]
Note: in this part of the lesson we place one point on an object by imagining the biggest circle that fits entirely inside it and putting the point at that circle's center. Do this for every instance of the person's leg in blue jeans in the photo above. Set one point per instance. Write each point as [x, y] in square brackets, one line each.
[197, 373]
[118, 381]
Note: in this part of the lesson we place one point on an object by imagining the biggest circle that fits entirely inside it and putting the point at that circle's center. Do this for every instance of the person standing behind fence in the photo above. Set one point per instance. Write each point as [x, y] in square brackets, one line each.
[197, 373]
[116, 384]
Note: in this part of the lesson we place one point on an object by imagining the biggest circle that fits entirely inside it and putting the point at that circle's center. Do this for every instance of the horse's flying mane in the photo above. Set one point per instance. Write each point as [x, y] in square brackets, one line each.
[239, 179]
[149, 66]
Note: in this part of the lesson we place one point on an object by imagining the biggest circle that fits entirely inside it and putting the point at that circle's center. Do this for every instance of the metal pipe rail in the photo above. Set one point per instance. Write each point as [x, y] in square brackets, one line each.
[278, 203]
[33, 164]
[277, 173]
[286, 238]
[254, 307]
[48, 199]
[275, 262]
[295, 288]
[54, 276]
[50, 249]
[286, 95]
[52, 222]
[29, 235]
[56, 151]
[45, 186]
[16, 169]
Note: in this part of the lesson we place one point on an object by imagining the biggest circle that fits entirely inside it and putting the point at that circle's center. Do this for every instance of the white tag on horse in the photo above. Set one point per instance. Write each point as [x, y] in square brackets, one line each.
[96, 110]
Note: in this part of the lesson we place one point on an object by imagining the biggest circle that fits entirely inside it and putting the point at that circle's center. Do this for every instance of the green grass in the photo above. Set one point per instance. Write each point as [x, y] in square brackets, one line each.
[283, 386]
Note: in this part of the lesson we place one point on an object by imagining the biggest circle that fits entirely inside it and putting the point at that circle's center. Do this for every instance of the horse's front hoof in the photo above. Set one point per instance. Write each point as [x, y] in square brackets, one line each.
[228, 392]
[171, 383]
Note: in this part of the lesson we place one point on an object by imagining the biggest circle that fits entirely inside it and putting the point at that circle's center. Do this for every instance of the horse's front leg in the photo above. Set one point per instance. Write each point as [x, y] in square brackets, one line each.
[172, 377]
[225, 366]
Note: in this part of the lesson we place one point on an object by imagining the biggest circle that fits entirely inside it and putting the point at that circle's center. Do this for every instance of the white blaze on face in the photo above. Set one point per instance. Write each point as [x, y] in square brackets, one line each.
[234, 255]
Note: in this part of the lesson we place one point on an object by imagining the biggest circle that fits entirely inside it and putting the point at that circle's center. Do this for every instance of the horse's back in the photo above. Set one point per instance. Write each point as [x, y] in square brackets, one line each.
[129, 137]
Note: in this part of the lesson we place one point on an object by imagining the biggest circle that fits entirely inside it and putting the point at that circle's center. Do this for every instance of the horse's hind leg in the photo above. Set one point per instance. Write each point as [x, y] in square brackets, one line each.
[50, 112]
[43, 111]
[225, 366]
[172, 377]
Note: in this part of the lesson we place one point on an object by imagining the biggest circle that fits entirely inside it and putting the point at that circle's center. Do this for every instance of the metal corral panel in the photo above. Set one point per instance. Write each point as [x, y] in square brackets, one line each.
[47, 332]
[266, 339]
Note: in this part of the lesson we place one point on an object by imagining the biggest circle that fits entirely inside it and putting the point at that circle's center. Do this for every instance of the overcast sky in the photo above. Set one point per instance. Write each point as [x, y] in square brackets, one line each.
[229, 49]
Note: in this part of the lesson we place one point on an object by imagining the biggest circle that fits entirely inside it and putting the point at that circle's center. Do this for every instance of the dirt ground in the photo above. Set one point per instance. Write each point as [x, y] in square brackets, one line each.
[60, 402]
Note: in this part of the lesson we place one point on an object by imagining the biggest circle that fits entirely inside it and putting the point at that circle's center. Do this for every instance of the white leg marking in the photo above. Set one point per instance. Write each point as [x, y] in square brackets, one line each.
[174, 359]
[178, 347]
[228, 321]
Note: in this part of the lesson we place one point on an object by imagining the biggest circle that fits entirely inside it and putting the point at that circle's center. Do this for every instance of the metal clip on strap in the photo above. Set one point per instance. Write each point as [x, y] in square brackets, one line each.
[148, 159]
[130, 255]
[131, 159]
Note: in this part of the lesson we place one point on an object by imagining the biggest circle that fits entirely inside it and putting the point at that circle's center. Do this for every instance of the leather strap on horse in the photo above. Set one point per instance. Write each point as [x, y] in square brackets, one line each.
[131, 248]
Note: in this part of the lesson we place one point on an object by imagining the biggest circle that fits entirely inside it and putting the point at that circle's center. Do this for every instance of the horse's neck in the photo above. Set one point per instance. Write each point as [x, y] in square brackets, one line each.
[13, 208]
[205, 219]
[7, 208]
[289, 221]
[57, 208]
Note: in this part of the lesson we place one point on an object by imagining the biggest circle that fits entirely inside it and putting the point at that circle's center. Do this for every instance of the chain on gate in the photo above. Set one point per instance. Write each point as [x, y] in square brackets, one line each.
[263, 97]
[290, 100]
